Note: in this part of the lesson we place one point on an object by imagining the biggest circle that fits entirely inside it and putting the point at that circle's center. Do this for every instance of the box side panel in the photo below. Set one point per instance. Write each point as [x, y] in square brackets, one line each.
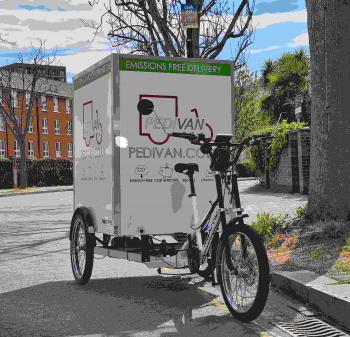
[116, 148]
[93, 146]
[155, 197]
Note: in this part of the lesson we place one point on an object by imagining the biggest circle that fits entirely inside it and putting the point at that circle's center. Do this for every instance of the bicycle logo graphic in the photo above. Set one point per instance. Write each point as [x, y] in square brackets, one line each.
[92, 127]
[158, 128]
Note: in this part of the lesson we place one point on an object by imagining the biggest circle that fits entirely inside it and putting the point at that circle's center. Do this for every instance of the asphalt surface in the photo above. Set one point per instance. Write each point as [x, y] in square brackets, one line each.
[39, 297]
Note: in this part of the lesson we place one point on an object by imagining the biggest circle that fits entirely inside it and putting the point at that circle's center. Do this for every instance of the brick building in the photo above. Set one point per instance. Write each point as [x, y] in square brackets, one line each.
[57, 73]
[50, 131]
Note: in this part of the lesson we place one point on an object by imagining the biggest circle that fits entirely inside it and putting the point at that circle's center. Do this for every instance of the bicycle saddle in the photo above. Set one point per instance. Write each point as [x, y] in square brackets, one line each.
[190, 168]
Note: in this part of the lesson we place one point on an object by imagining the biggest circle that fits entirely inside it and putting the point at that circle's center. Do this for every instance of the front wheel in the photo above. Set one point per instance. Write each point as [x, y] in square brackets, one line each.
[245, 288]
[81, 250]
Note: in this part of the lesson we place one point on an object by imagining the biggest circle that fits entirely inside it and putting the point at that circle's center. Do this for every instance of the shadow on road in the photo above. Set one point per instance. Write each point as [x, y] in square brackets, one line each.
[134, 306]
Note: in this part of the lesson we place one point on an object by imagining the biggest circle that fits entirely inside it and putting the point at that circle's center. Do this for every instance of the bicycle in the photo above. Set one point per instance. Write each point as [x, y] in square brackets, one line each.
[228, 250]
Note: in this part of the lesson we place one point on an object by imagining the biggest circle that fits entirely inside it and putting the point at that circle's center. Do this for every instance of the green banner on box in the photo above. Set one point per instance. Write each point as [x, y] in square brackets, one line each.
[174, 67]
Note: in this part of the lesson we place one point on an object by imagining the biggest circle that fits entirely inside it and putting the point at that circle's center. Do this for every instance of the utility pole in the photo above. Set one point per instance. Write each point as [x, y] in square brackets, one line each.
[192, 34]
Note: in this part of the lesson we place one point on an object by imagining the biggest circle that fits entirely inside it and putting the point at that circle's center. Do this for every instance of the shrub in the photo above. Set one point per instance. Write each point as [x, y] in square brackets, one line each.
[267, 155]
[300, 210]
[6, 179]
[43, 172]
[244, 169]
[268, 224]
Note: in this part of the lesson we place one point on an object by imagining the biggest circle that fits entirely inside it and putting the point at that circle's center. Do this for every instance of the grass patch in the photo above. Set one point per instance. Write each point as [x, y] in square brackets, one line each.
[346, 248]
[342, 267]
[339, 282]
[317, 254]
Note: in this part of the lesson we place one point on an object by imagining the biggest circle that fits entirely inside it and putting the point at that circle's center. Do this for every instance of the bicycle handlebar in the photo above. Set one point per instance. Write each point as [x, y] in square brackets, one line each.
[199, 139]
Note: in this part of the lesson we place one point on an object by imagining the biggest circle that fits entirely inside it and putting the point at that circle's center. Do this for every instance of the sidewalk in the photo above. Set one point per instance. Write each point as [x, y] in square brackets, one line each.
[34, 190]
[329, 297]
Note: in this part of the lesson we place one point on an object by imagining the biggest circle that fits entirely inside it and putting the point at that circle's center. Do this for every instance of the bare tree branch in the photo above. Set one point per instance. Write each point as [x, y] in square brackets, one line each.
[154, 27]
[15, 109]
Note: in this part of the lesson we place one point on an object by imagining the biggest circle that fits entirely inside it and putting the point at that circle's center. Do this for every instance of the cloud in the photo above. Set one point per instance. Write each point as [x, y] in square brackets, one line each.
[77, 62]
[53, 5]
[266, 20]
[57, 28]
[277, 6]
[258, 51]
[300, 40]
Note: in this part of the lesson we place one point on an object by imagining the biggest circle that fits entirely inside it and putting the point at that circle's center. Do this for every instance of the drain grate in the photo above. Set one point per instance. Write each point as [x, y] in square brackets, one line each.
[311, 327]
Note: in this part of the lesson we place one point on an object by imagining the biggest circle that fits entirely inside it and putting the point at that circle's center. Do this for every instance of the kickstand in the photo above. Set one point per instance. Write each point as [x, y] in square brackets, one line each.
[212, 271]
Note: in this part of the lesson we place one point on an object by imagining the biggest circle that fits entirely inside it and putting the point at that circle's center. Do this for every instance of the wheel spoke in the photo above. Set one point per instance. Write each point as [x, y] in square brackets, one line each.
[79, 249]
[240, 286]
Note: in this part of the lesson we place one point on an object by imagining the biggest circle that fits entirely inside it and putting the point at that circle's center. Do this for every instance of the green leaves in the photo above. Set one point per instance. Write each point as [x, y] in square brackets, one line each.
[284, 80]
[267, 224]
[248, 98]
[267, 155]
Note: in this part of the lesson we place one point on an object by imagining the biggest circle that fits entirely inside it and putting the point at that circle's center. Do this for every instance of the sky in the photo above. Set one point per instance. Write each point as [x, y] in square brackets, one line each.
[280, 27]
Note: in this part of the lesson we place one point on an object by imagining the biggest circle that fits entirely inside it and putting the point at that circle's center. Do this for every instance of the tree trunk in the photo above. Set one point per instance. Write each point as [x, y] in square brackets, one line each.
[329, 31]
[23, 167]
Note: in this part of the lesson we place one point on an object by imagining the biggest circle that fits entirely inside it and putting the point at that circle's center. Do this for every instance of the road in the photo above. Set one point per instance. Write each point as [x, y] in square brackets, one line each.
[39, 297]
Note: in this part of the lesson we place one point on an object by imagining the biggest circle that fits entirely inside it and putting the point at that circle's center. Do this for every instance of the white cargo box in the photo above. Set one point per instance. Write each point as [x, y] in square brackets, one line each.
[124, 161]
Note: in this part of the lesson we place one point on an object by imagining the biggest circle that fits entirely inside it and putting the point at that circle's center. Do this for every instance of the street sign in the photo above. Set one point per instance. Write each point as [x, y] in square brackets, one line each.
[298, 110]
[189, 16]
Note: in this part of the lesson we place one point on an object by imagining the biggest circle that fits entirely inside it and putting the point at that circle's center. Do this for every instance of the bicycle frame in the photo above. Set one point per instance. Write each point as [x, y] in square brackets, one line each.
[204, 248]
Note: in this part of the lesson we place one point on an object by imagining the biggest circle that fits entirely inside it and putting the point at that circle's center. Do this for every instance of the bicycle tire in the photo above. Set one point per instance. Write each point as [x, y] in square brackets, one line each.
[263, 280]
[80, 233]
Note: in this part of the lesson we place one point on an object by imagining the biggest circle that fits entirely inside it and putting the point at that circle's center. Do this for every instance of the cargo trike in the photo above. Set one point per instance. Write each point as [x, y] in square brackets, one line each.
[130, 206]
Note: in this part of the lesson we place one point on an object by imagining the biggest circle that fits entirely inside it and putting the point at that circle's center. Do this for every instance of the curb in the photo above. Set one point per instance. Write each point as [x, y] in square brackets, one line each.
[38, 191]
[320, 292]
[247, 178]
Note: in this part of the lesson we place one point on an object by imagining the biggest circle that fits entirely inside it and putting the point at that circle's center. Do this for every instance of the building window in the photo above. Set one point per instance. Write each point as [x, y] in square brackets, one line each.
[57, 127]
[30, 149]
[69, 128]
[14, 98]
[2, 148]
[55, 104]
[2, 126]
[16, 148]
[46, 149]
[43, 103]
[68, 110]
[58, 149]
[44, 126]
[70, 150]
[30, 127]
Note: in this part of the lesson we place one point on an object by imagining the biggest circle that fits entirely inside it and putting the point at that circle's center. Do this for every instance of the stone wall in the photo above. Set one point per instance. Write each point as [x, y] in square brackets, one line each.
[292, 173]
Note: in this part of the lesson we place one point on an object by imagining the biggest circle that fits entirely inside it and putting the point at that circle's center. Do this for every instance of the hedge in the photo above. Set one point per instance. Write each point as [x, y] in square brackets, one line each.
[43, 172]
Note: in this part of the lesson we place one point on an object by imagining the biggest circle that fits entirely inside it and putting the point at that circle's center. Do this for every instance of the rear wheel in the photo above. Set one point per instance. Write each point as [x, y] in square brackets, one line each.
[81, 250]
[245, 288]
